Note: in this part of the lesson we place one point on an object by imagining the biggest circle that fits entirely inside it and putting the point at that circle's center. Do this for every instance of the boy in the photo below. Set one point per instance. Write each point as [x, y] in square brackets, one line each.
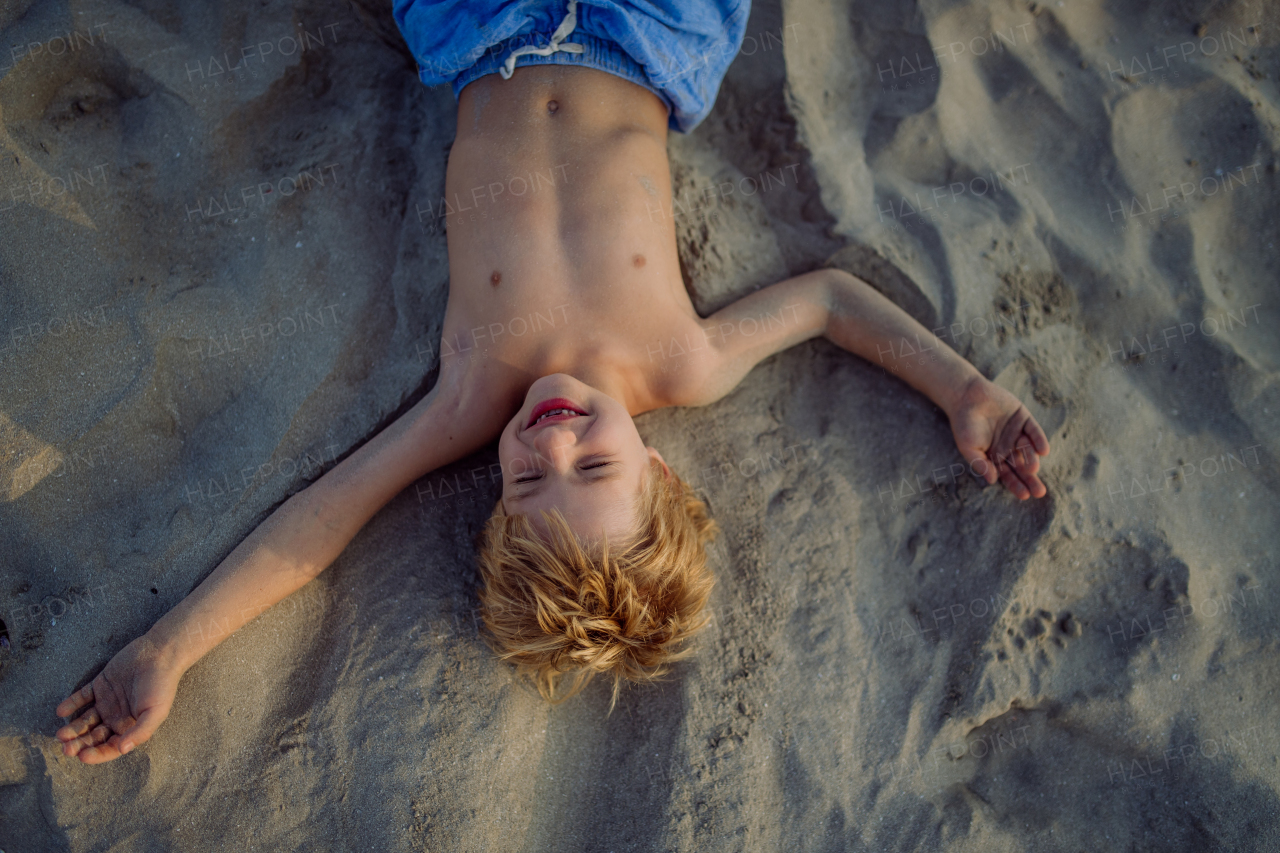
[593, 560]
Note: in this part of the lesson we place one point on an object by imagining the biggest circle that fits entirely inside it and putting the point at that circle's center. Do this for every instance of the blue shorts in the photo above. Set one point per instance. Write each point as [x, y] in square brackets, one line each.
[677, 49]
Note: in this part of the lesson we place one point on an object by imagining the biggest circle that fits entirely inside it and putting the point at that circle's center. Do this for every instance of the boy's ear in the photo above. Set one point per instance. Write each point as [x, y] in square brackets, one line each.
[657, 457]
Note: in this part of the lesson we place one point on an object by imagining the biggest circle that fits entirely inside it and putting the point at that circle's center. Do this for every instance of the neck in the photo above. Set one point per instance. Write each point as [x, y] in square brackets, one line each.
[619, 384]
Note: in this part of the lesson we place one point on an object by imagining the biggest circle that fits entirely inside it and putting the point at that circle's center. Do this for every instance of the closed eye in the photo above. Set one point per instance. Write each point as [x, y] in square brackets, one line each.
[539, 475]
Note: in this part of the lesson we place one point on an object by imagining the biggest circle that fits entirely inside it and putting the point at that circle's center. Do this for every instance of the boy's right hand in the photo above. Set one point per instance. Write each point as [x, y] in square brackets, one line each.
[122, 706]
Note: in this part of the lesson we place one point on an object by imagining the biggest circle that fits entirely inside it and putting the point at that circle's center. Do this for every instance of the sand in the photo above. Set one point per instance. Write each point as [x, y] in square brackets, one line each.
[216, 284]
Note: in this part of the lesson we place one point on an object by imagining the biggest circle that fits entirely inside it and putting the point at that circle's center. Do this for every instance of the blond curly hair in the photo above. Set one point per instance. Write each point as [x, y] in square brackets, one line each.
[555, 607]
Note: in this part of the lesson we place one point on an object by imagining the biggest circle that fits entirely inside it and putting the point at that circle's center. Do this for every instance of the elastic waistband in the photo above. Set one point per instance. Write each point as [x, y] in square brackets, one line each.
[600, 54]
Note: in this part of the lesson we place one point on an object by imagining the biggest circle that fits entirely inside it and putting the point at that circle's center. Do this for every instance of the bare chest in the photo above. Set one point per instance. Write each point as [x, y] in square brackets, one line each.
[560, 256]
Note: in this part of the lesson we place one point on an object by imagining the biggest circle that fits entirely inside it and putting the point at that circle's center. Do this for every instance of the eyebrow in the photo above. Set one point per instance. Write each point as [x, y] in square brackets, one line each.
[581, 480]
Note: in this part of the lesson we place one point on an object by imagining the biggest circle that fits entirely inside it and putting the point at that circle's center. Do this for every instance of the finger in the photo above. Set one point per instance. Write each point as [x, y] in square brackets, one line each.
[1025, 460]
[75, 729]
[1013, 483]
[75, 701]
[141, 733]
[99, 754]
[1009, 434]
[95, 736]
[1037, 436]
[1038, 488]
[979, 464]
[1035, 488]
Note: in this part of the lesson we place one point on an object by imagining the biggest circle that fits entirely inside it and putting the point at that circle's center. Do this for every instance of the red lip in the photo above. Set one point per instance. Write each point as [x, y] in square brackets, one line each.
[554, 403]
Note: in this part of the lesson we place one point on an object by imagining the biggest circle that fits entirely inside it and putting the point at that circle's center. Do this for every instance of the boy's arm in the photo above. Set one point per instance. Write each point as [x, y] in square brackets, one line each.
[309, 530]
[133, 693]
[993, 430]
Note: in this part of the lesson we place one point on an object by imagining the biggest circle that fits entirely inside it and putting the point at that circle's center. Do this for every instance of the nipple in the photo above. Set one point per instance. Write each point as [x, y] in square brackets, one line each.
[638, 261]
[496, 278]
[552, 106]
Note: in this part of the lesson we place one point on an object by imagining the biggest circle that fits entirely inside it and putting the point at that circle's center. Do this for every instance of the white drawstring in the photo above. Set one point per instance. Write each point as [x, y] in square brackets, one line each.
[562, 32]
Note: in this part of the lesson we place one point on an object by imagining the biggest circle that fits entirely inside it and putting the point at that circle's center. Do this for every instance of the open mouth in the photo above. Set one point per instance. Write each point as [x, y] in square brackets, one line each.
[556, 409]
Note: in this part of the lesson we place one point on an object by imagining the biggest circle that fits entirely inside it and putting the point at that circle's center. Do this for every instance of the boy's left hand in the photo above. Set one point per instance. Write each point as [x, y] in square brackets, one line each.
[998, 437]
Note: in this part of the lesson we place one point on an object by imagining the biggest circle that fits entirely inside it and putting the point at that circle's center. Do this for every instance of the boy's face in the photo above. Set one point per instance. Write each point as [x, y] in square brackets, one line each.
[588, 462]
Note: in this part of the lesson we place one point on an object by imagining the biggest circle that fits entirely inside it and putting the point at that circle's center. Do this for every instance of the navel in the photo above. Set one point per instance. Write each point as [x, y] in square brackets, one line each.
[552, 106]
[637, 261]
[496, 278]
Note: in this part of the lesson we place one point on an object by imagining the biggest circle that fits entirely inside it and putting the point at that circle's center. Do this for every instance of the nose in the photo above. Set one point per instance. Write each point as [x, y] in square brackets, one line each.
[552, 443]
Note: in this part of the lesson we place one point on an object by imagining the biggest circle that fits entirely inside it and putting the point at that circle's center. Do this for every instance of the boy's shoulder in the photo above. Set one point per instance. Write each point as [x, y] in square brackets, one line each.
[483, 393]
[711, 359]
